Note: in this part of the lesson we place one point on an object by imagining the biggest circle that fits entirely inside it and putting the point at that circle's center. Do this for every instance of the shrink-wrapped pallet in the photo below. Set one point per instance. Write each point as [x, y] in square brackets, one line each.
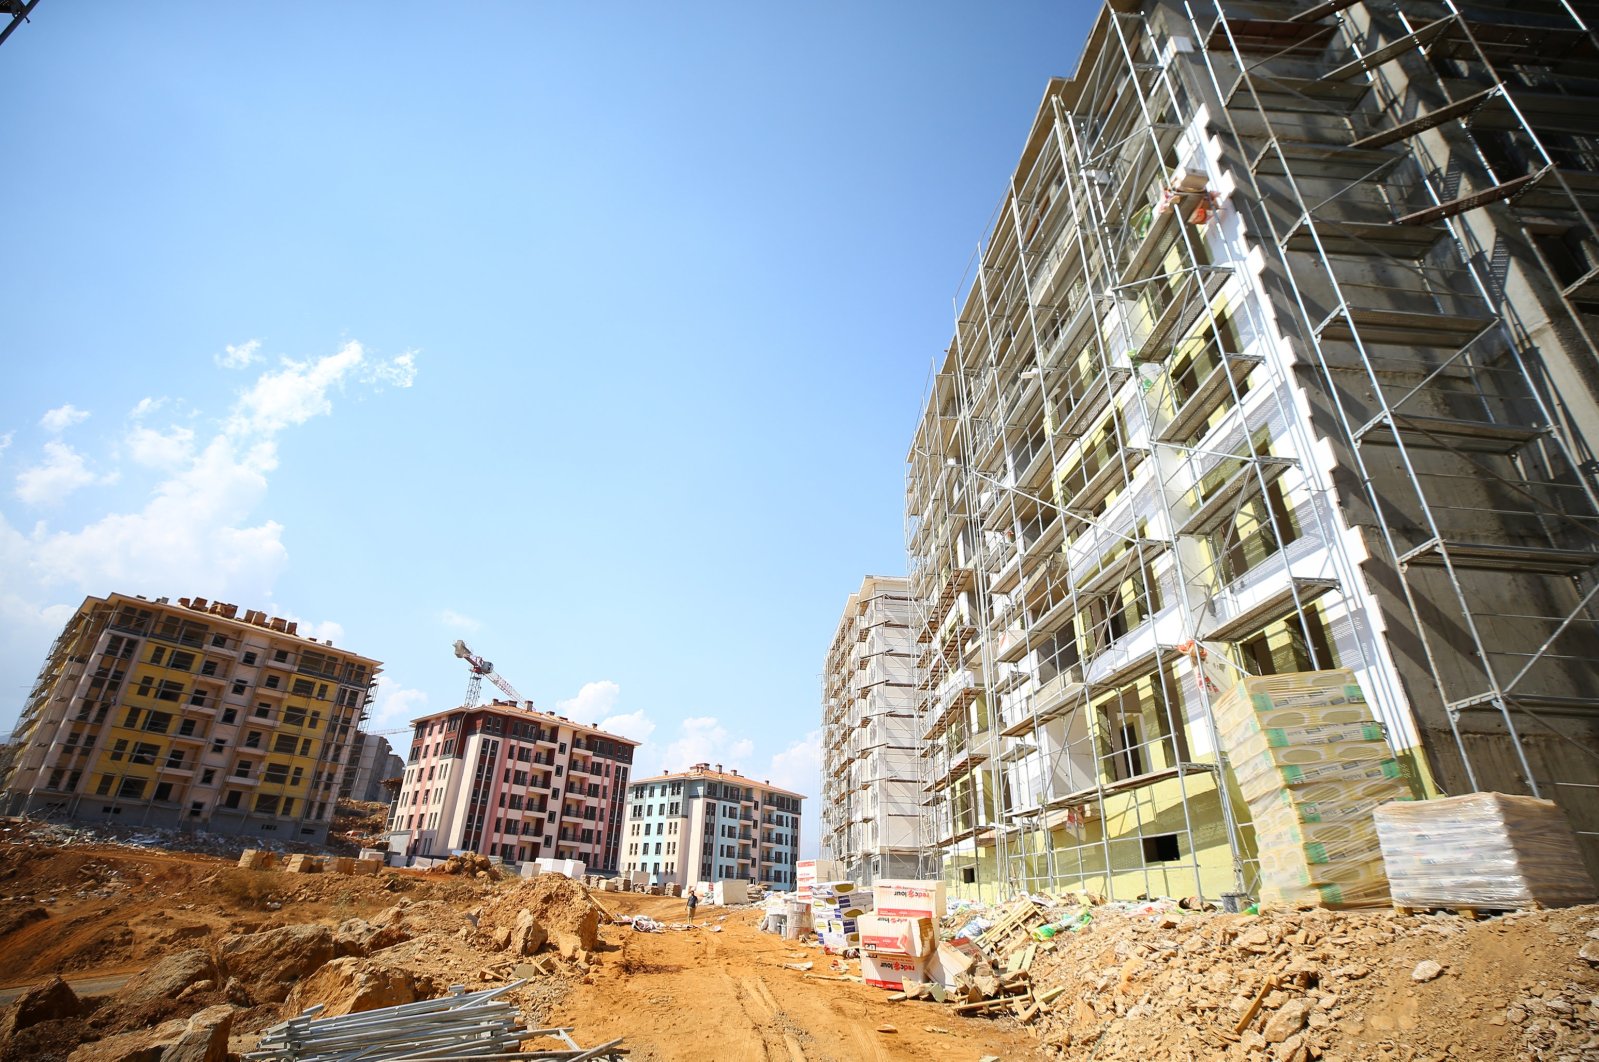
[1484, 850]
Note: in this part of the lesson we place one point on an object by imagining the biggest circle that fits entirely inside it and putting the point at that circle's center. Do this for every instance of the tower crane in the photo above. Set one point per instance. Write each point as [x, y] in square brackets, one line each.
[480, 668]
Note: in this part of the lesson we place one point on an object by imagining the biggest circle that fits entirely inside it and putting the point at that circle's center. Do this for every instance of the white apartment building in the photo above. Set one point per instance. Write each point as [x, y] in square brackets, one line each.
[705, 825]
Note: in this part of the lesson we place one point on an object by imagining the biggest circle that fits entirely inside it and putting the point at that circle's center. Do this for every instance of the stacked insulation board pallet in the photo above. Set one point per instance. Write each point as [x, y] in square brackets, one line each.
[1482, 852]
[1313, 765]
[836, 908]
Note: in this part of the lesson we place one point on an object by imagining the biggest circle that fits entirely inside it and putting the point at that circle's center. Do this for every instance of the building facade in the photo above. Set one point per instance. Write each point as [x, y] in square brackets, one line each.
[372, 762]
[512, 782]
[871, 771]
[1280, 356]
[189, 715]
[706, 825]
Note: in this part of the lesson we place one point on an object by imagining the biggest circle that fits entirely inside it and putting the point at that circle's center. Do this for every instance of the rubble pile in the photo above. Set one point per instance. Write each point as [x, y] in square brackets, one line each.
[57, 835]
[359, 824]
[1150, 980]
[471, 864]
[1179, 979]
[549, 909]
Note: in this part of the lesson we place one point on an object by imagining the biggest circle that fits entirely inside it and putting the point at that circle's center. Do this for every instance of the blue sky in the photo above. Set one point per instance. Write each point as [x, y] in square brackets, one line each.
[592, 334]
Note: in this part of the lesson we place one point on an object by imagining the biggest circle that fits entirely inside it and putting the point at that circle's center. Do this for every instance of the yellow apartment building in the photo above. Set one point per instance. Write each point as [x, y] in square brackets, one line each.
[188, 715]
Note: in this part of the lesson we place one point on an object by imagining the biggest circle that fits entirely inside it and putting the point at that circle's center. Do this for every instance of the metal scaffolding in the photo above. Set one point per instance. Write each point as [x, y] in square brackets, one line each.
[1445, 292]
[870, 806]
[1144, 466]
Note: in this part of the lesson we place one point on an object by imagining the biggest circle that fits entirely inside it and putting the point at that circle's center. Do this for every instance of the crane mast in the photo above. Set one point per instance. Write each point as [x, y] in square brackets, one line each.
[481, 669]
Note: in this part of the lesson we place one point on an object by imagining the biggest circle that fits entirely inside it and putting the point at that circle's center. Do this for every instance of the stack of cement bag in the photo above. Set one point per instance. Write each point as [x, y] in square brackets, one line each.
[1312, 764]
[1483, 850]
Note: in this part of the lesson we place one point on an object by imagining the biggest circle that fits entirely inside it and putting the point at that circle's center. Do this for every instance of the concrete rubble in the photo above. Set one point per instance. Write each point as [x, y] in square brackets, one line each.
[1165, 978]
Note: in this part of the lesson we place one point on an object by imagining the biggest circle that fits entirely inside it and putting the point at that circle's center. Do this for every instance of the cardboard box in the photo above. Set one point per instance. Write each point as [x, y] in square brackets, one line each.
[833, 888]
[897, 935]
[730, 891]
[891, 971]
[807, 872]
[909, 899]
[947, 964]
[836, 941]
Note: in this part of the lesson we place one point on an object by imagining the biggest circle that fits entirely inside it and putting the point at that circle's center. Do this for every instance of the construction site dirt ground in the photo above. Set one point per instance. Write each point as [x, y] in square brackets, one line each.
[110, 911]
[1135, 987]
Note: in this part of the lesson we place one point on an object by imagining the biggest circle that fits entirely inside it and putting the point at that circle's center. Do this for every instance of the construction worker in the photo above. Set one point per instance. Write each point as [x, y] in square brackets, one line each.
[693, 902]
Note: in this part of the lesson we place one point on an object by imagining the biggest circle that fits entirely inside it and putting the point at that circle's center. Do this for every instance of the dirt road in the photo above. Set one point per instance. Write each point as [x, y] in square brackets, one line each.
[699, 994]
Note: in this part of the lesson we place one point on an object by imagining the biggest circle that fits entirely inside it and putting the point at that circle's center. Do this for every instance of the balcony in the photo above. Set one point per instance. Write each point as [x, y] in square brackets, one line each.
[1092, 481]
[947, 764]
[954, 695]
[1051, 699]
[1219, 505]
[1011, 645]
[1195, 294]
[1087, 398]
[1111, 573]
[1207, 396]
[1238, 616]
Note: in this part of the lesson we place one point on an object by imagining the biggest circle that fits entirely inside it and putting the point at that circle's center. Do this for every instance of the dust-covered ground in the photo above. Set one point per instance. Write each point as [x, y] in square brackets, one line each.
[173, 944]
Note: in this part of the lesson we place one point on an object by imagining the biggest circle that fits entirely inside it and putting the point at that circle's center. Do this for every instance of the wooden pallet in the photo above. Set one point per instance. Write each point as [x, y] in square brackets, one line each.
[1471, 914]
[1014, 926]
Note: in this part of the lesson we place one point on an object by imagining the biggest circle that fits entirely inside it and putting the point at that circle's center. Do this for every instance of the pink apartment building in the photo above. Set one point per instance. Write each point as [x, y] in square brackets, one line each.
[512, 782]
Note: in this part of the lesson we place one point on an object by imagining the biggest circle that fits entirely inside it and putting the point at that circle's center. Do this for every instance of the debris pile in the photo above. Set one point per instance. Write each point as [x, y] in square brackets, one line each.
[57, 835]
[1152, 979]
[550, 908]
[471, 864]
[359, 824]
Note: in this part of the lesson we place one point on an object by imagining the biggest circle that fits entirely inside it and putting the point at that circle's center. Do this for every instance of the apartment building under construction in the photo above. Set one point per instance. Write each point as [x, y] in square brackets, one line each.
[870, 774]
[1279, 355]
[188, 714]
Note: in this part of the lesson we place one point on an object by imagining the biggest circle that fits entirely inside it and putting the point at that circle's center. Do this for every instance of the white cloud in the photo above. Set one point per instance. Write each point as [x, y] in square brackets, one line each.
[164, 450]
[241, 356]
[325, 630]
[194, 533]
[703, 739]
[394, 706]
[399, 371]
[799, 767]
[318, 630]
[146, 406]
[63, 417]
[635, 725]
[458, 621]
[300, 390]
[293, 394]
[594, 701]
[5, 441]
[62, 472]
